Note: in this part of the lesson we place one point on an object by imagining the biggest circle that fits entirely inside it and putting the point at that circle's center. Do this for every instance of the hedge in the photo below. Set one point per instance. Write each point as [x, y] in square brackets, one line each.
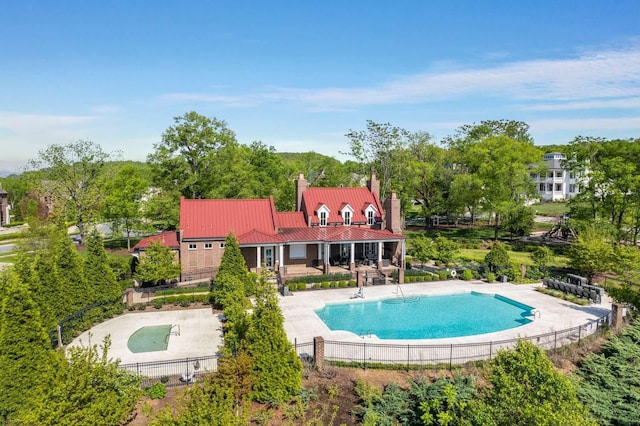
[320, 278]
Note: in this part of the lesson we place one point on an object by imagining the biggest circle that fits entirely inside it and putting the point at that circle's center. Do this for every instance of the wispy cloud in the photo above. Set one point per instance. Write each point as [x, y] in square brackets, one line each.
[623, 103]
[585, 124]
[37, 124]
[592, 75]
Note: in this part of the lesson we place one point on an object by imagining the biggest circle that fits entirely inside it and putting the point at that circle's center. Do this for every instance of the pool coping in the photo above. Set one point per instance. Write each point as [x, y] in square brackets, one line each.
[302, 324]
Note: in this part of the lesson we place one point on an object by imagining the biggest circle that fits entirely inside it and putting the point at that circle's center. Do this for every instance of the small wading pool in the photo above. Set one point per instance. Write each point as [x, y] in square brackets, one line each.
[150, 339]
[427, 317]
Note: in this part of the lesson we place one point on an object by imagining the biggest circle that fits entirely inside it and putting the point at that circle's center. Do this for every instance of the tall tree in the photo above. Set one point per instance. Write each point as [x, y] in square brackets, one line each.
[380, 148]
[185, 157]
[75, 179]
[27, 362]
[157, 265]
[99, 275]
[277, 369]
[123, 202]
[234, 265]
[591, 254]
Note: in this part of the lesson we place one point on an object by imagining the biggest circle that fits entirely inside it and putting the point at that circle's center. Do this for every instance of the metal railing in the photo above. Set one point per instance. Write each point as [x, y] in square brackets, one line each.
[173, 372]
[363, 353]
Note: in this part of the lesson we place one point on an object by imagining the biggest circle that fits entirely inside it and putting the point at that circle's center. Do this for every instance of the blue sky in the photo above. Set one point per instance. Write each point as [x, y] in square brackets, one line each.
[299, 75]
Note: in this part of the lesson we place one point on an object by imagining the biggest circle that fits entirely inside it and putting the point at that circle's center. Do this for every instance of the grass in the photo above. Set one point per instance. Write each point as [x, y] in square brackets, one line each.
[555, 209]
[8, 257]
[480, 233]
[518, 257]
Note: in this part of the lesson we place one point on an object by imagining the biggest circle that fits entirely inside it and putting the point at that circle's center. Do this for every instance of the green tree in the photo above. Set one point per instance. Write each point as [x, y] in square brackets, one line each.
[163, 209]
[541, 257]
[277, 369]
[185, 157]
[157, 265]
[525, 389]
[123, 201]
[75, 178]
[518, 220]
[591, 254]
[446, 250]
[27, 362]
[99, 274]
[421, 249]
[232, 264]
[498, 258]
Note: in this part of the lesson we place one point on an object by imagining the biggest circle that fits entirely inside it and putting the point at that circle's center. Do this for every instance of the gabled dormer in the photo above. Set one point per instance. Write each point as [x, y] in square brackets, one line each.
[346, 212]
[322, 213]
[370, 212]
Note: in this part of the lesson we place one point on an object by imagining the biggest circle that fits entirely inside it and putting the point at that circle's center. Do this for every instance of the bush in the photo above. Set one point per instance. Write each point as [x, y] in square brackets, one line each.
[333, 284]
[157, 303]
[157, 391]
[351, 283]
[443, 275]
[407, 280]
[491, 277]
[324, 284]
[342, 284]
[467, 275]
[319, 278]
[316, 286]
[141, 306]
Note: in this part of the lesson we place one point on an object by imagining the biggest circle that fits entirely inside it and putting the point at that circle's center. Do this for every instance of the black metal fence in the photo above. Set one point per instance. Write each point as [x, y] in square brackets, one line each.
[411, 354]
[173, 372]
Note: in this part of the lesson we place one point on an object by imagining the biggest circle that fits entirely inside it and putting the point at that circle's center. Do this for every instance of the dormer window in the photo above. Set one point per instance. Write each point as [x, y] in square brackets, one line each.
[323, 215]
[346, 211]
[346, 217]
[371, 217]
[323, 218]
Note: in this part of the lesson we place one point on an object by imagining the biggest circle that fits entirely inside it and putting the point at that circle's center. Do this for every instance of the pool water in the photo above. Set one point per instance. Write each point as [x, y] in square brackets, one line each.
[150, 339]
[427, 317]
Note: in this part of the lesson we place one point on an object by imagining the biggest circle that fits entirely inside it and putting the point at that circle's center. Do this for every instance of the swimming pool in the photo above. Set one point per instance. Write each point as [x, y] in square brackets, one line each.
[152, 338]
[427, 317]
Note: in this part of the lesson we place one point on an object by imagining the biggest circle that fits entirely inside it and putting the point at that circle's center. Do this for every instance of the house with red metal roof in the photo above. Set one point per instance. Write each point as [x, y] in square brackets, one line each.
[345, 227]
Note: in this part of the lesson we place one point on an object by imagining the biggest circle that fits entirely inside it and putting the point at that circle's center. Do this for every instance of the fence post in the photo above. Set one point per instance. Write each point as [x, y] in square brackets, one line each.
[490, 350]
[451, 357]
[318, 351]
[364, 355]
[579, 333]
[555, 340]
[408, 354]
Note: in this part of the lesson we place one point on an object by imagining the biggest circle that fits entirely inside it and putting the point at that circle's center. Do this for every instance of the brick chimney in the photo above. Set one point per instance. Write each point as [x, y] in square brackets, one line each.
[374, 185]
[301, 186]
[392, 218]
[4, 207]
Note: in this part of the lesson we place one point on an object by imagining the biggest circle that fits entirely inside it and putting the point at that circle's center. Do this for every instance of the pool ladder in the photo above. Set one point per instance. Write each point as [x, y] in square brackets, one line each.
[363, 334]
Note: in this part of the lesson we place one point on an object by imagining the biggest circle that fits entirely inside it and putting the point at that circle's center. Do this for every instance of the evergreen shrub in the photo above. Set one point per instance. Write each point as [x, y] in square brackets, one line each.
[324, 284]
[466, 275]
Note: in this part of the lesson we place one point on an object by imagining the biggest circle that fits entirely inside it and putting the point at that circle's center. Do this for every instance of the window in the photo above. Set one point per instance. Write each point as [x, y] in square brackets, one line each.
[193, 246]
[541, 187]
[572, 187]
[558, 187]
[559, 174]
[347, 218]
[208, 246]
[533, 175]
[549, 187]
[572, 175]
[550, 174]
[371, 217]
[323, 218]
[298, 251]
[221, 245]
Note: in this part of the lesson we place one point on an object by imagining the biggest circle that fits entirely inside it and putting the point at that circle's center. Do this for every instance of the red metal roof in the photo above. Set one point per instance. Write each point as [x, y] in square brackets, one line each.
[290, 220]
[217, 218]
[257, 237]
[166, 239]
[337, 233]
[335, 199]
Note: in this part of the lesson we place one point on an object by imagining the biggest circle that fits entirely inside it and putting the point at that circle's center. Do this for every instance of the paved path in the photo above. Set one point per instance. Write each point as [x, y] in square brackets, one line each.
[302, 324]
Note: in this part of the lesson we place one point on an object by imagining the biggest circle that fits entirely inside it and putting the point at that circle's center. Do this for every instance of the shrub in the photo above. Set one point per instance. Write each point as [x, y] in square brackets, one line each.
[342, 284]
[157, 303]
[351, 283]
[407, 280]
[316, 286]
[443, 275]
[141, 306]
[467, 275]
[324, 284]
[157, 391]
[131, 308]
[491, 277]
[301, 286]
[333, 284]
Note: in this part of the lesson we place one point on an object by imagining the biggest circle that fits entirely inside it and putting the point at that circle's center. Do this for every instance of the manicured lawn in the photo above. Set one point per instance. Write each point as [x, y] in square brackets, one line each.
[551, 209]
[481, 233]
[518, 257]
[8, 257]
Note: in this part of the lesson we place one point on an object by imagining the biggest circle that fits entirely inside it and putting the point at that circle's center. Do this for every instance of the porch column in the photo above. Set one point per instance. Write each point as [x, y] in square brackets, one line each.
[320, 257]
[281, 254]
[352, 255]
[327, 265]
[380, 249]
[258, 259]
[403, 254]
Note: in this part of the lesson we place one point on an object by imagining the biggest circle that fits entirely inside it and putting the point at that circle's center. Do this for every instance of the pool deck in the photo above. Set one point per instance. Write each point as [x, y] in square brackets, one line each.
[302, 324]
[200, 334]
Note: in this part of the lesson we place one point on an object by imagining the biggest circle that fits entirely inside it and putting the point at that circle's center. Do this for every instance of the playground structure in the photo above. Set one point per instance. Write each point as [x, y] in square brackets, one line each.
[561, 230]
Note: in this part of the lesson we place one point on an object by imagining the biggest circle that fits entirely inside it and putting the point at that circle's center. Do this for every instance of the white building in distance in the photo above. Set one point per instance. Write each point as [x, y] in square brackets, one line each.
[556, 183]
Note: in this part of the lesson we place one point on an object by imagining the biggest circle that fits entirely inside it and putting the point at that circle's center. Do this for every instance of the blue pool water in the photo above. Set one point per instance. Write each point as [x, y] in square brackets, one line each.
[427, 317]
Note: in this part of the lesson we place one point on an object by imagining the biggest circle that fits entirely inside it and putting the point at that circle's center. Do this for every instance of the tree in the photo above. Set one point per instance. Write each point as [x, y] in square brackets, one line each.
[27, 362]
[157, 265]
[422, 249]
[379, 148]
[123, 201]
[541, 257]
[163, 209]
[526, 390]
[498, 258]
[75, 173]
[185, 157]
[99, 274]
[591, 254]
[518, 220]
[234, 265]
[446, 250]
[277, 369]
